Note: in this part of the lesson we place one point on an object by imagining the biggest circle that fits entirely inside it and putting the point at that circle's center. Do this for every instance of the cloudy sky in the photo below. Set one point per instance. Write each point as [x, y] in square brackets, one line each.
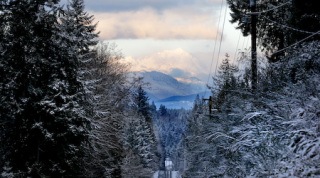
[176, 37]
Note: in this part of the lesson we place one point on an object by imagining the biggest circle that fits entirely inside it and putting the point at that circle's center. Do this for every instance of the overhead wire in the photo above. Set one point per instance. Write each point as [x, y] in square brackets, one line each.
[246, 41]
[298, 42]
[285, 26]
[235, 57]
[223, 25]
[269, 10]
[213, 55]
[215, 44]
[245, 44]
[242, 47]
[214, 50]
[274, 22]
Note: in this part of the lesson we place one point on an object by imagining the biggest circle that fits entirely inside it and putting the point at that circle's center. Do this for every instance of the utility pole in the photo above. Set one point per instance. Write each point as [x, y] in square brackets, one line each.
[210, 102]
[254, 70]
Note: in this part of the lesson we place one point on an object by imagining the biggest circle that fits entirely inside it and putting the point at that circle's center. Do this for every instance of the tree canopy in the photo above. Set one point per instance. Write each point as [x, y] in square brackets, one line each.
[281, 23]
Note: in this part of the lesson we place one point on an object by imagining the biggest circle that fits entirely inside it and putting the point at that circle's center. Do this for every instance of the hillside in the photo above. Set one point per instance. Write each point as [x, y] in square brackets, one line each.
[165, 90]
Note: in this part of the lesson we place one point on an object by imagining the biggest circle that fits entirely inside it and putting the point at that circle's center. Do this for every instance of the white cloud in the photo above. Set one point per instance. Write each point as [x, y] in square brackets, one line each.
[127, 5]
[170, 39]
[169, 62]
[178, 23]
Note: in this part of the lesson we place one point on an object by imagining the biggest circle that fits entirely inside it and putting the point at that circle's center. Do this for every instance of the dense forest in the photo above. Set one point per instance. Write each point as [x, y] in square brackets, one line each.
[69, 108]
[273, 131]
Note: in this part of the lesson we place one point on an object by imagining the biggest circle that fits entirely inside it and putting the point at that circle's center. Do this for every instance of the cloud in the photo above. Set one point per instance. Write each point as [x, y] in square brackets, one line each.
[156, 34]
[182, 23]
[153, 19]
[176, 62]
[128, 5]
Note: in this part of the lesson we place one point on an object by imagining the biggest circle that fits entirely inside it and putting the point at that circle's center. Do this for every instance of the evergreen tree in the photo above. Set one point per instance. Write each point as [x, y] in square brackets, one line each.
[42, 114]
[226, 81]
[170, 127]
[78, 33]
[273, 22]
[139, 144]
[104, 80]
[139, 139]
[272, 134]
[95, 64]
[196, 104]
[142, 103]
[162, 110]
[153, 108]
[306, 17]
[198, 150]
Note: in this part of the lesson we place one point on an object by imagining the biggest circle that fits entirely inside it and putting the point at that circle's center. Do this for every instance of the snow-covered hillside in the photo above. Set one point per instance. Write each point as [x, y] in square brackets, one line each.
[166, 90]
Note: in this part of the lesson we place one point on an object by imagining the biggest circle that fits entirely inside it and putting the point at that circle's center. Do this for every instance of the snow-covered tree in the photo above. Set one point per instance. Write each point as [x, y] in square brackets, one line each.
[225, 81]
[42, 110]
[104, 79]
[65, 100]
[280, 22]
[198, 154]
[79, 36]
[274, 133]
[139, 144]
[108, 93]
[141, 101]
[170, 125]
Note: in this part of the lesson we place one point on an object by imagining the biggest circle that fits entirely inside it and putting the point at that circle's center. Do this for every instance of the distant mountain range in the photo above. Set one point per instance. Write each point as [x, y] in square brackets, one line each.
[166, 90]
[182, 98]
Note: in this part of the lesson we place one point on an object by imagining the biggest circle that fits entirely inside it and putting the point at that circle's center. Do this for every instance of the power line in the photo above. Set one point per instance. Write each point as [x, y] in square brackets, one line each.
[215, 43]
[236, 53]
[214, 50]
[285, 26]
[245, 44]
[224, 22]
[298, 42]
[272, 9]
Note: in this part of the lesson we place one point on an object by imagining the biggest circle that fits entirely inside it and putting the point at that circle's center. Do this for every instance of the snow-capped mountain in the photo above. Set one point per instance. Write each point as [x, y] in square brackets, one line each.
[166, 90]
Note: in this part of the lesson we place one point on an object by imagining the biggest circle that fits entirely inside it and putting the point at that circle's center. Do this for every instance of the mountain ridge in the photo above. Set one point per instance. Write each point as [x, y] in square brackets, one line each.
[191, 97]
[167, 90]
